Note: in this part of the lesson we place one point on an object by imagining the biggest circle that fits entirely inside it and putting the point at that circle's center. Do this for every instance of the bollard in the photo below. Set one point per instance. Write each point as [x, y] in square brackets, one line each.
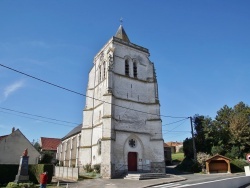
[58, 184]
[67, 186]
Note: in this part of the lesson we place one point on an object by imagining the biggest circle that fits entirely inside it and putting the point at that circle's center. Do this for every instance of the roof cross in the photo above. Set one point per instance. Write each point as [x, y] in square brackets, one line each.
[121, 20]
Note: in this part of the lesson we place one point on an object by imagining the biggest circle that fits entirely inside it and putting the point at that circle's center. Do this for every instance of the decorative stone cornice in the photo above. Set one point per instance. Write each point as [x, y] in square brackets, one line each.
[107, 139]
[129, 44]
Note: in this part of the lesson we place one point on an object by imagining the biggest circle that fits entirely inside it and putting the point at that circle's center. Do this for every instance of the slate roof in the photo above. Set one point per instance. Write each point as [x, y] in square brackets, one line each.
[50, 143]
[73, 132]
[121, 34]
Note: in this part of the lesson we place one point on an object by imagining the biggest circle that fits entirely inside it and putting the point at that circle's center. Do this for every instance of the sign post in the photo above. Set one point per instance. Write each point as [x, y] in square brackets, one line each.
[247, 168]
[248, 157]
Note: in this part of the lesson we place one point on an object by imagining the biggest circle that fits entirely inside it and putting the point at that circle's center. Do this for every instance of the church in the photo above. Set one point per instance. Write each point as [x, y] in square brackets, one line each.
[121, 127]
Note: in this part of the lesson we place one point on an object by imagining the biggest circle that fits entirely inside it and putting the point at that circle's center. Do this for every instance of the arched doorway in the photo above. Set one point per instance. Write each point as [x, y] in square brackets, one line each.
[132, 161]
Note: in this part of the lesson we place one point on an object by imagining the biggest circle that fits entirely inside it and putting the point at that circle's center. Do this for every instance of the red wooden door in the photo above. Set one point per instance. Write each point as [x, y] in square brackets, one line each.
[132, 161]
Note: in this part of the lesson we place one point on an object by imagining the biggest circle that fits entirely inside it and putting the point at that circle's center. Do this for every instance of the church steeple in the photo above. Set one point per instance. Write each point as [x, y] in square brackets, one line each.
[121, 34]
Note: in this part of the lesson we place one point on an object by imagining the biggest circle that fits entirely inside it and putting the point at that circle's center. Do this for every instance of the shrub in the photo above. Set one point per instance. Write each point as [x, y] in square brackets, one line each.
[87, 167]
[196, 167]
[201, 159]
[36, 170]
[189, 165]
[97, 168]
[47, 157]
[237, 165]
[9, 172]
[20, 185]
[12, 184]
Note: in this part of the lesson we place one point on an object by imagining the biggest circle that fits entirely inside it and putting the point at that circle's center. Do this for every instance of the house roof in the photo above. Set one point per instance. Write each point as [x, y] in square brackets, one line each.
[73, 132]
[165, 145]
[50, 143]
[121, 34]
[174, 143]
[2, 137]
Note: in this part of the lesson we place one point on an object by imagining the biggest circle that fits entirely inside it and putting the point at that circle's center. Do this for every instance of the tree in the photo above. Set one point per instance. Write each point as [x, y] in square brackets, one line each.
[228, 134]
[188, 148]
[222, 133]
[203, 130]
[47, 157]
[240, 128]
[36, 145]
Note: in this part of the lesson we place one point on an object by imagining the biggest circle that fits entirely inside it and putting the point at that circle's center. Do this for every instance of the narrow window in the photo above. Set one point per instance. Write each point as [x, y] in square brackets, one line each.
[99, 147]
[104, 70]
[135, 69]
[100, 74]
[126, 67]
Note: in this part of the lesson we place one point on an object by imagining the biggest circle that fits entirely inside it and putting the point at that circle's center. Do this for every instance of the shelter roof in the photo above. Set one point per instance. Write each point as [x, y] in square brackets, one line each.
[217, 157]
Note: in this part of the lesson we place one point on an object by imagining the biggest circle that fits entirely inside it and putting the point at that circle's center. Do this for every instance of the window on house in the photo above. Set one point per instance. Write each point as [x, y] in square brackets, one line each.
[135, 69]
[126, 67]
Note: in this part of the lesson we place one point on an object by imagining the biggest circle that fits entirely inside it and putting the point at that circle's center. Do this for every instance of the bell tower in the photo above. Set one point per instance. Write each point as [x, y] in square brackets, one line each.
[122, 128]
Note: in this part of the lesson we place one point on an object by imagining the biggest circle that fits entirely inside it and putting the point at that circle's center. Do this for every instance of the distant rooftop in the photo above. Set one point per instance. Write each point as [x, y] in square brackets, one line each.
[2, 137]
[50, 143]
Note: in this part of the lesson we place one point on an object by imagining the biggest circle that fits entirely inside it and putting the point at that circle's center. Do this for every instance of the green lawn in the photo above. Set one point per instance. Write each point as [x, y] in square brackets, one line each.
[177, 157]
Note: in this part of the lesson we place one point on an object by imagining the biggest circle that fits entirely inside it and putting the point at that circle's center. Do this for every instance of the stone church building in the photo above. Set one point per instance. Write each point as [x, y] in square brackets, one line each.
[121, 127]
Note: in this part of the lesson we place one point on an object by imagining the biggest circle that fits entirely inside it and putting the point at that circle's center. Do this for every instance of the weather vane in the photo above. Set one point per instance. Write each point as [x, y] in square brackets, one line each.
[121, 20]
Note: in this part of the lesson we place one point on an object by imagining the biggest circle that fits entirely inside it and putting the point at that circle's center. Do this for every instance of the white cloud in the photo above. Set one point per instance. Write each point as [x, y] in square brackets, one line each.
[12, 88]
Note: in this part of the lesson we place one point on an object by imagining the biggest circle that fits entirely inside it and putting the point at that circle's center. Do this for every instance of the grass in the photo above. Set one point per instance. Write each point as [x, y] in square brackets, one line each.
[178, 157]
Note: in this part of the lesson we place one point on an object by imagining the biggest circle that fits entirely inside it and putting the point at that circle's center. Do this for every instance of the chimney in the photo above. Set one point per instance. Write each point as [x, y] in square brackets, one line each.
[13, 129]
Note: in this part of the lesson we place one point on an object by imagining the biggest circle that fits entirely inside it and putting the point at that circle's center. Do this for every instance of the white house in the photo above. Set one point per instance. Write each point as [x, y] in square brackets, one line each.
[122, 129]
[12, 147]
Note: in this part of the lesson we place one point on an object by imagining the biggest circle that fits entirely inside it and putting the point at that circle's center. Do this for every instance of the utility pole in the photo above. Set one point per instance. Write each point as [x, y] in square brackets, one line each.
[195, 156]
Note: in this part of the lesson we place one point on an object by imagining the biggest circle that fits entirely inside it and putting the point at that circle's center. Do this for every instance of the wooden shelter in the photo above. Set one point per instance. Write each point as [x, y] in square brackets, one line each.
[218, 164]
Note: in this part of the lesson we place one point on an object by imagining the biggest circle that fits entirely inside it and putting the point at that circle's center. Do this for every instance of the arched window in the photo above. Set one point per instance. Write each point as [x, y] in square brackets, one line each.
[126, 67]
[104, 70]
[135, 69]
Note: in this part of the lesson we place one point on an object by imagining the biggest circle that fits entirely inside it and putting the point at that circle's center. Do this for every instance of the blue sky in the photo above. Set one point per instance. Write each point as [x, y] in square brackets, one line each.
[201, 52]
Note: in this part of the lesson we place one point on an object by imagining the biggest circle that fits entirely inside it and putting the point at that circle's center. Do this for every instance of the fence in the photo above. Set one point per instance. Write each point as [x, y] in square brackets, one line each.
[66, 172]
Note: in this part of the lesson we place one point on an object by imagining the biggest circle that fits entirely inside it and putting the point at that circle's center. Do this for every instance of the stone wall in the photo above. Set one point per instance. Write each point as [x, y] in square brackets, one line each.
[66, 173]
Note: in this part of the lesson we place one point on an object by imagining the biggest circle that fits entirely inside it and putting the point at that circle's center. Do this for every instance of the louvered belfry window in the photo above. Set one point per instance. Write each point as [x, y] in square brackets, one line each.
[135, 69]
[126, 67]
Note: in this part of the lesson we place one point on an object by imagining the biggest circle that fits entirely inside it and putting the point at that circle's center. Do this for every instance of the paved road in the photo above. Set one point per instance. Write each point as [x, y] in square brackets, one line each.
[176, 180]
[230, 181]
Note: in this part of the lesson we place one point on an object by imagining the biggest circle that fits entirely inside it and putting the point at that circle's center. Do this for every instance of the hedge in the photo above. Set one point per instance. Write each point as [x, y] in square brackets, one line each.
[237, 165]
[8, 172]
